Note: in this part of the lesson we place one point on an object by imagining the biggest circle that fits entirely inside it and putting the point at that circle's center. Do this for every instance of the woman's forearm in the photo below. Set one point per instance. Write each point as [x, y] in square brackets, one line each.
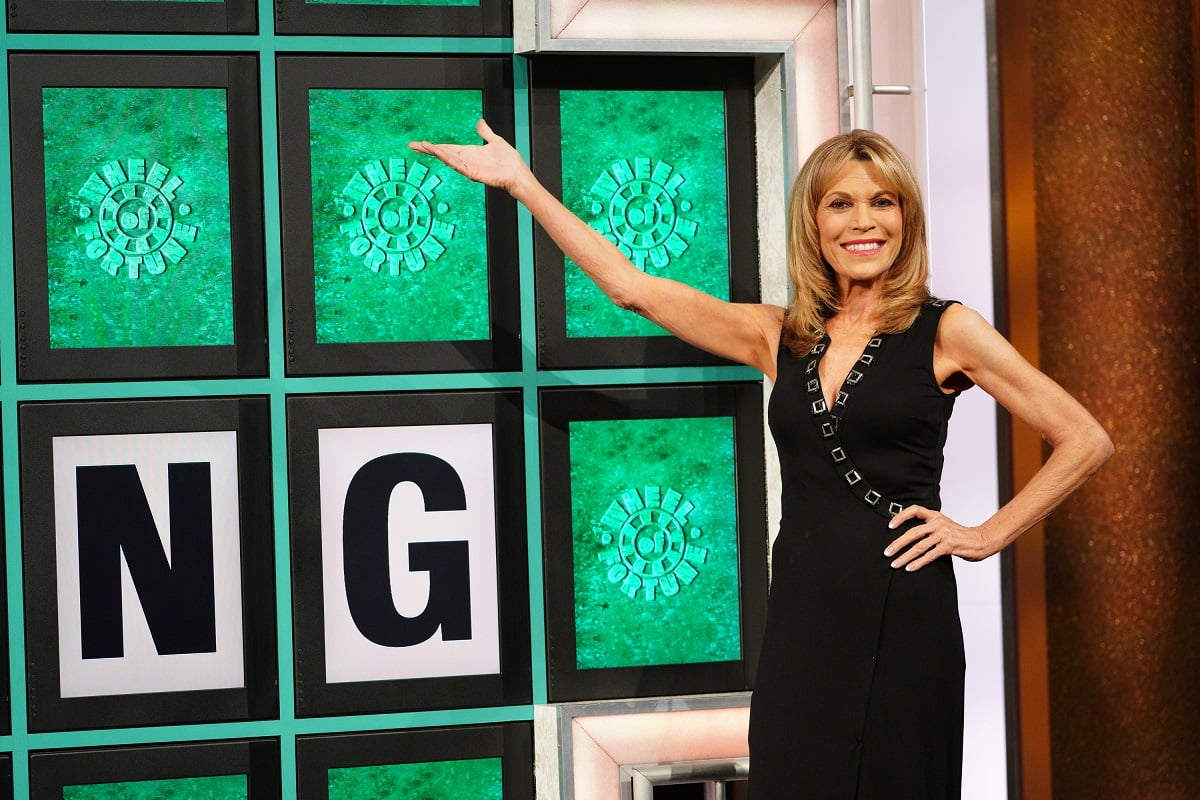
[1070, 464]
[599, 258]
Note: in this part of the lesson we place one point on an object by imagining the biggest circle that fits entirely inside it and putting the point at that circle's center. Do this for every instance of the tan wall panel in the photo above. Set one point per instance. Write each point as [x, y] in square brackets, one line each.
[1119, 325]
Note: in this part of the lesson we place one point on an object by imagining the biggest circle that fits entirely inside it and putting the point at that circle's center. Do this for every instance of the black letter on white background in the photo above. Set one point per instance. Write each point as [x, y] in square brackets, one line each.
[178, 597]
[366, 561]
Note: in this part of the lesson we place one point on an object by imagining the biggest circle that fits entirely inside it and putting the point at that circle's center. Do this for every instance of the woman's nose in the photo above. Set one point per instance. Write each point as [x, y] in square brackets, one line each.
[862, 219]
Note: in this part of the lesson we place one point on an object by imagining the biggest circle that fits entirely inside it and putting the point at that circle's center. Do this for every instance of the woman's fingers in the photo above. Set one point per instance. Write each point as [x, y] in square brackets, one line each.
[918, 545]
[912, 534]
[485, 131]
[921, 552]
[936, 536]
[438, 151]
[495, 163]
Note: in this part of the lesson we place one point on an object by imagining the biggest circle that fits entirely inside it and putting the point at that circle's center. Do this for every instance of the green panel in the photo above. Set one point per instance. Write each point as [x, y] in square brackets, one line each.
[216, 787]
[654, 527]
[138, 217]
[646, 169]
[478, 779]
[399, 240]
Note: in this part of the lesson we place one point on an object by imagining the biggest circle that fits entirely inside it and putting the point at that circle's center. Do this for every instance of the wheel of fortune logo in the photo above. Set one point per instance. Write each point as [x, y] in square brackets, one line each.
[131, 215]
[650, 547]
[637, 208]
[391, 216]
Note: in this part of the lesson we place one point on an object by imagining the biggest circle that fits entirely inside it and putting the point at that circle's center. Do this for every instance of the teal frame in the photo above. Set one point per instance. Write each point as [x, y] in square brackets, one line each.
[266, 44]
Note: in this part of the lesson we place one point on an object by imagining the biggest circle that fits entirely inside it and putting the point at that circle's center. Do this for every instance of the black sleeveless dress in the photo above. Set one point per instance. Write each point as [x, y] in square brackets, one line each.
[859, 691]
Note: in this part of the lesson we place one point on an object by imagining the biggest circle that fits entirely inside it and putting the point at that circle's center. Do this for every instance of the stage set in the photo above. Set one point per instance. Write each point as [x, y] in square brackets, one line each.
[326, 475]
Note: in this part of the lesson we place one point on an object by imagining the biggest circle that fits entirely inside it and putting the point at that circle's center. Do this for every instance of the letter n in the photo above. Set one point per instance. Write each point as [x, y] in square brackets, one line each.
[177, 595]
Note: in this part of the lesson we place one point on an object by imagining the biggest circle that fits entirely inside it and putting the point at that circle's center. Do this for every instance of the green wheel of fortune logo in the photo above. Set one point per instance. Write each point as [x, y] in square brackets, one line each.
[650, 547]
[637, 207]
[131, 217]
[391, 216]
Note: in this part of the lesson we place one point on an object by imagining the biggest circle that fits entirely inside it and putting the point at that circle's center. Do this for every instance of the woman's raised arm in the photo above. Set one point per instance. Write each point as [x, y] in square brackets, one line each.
[742, 332]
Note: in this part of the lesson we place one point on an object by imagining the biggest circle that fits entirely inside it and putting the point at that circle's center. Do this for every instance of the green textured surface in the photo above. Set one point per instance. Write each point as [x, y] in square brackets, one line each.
[216, 787]
[680, 130]
[478, 779]
[365, 133]
[622, 622]
[190, 302]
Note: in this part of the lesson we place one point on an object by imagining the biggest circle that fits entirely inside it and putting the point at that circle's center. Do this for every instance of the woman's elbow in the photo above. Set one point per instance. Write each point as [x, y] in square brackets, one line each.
[1106, 447]
[1100, 447]
[1087, 443]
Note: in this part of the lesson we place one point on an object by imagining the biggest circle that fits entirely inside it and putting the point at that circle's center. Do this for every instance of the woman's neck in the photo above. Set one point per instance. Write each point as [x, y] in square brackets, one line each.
[859, 306]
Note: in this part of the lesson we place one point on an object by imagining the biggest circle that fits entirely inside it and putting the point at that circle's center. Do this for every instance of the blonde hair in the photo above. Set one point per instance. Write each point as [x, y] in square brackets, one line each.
[815, 296]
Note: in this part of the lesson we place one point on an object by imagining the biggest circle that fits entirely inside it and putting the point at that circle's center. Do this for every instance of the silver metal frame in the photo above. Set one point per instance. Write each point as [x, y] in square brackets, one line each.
[641, 779]
[854, 65]
[545, 42]
[564, 715]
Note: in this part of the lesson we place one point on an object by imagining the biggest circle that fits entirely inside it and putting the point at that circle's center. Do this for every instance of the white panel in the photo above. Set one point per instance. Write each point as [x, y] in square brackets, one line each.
[959, 203]
[725, 20]
[772, 241]
[525, 25]
[349, 655]
[896, 61]
[813, 111]
[562, 12]
[985, 767]
[141, 669]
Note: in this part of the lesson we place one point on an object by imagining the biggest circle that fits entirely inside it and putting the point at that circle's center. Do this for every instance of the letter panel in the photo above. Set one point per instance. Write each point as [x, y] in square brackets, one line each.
[148, 563]
[408, 549]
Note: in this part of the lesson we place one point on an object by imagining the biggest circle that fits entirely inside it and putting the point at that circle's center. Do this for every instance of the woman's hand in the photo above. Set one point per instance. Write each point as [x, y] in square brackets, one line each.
[495, 163]
[936, 536]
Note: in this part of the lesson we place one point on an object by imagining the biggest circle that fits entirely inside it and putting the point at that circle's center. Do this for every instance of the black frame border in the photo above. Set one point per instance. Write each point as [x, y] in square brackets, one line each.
[559, 407]
[117, 16]
[549, 74]
[39, 423]
[512, 742]
[259, 759]
[298, 74]
[513, 684]
[489, 18]
[29, 73]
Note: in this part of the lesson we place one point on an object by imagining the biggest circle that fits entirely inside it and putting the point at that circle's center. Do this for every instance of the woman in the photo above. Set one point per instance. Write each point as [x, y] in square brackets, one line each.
[859, 691]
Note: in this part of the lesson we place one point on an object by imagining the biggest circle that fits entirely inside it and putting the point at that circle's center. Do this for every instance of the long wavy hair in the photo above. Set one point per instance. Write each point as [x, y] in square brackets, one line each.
[815, 296]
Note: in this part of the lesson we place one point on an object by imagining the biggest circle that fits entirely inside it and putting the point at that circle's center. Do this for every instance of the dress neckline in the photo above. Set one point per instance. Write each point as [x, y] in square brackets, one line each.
[828, 420]
[857, 371]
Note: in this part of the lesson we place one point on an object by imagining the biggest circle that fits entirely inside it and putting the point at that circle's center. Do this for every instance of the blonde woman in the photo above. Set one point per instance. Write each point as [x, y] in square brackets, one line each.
[859, 690]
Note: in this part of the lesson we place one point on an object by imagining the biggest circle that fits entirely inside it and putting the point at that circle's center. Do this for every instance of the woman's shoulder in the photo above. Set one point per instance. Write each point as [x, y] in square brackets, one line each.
[967, 337]
[937, 306]
[926, 319]
[955, 318]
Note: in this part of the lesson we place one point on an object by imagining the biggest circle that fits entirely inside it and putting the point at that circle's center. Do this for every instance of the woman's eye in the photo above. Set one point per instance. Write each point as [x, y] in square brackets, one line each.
[839, 204]
[884, 202]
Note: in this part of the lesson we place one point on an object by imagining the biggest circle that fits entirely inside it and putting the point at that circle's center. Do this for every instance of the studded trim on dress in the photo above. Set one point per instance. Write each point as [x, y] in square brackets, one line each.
[828, 422]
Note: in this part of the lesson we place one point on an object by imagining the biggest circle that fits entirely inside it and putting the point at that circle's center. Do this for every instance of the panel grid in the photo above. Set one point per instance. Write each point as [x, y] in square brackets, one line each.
[276, 387]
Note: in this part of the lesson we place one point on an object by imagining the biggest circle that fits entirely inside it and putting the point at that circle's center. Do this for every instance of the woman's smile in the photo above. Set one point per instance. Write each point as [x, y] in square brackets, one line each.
[861, 224]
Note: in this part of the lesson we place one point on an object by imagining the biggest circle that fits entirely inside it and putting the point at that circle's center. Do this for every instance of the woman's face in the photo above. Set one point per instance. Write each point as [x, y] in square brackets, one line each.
[860, 223]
